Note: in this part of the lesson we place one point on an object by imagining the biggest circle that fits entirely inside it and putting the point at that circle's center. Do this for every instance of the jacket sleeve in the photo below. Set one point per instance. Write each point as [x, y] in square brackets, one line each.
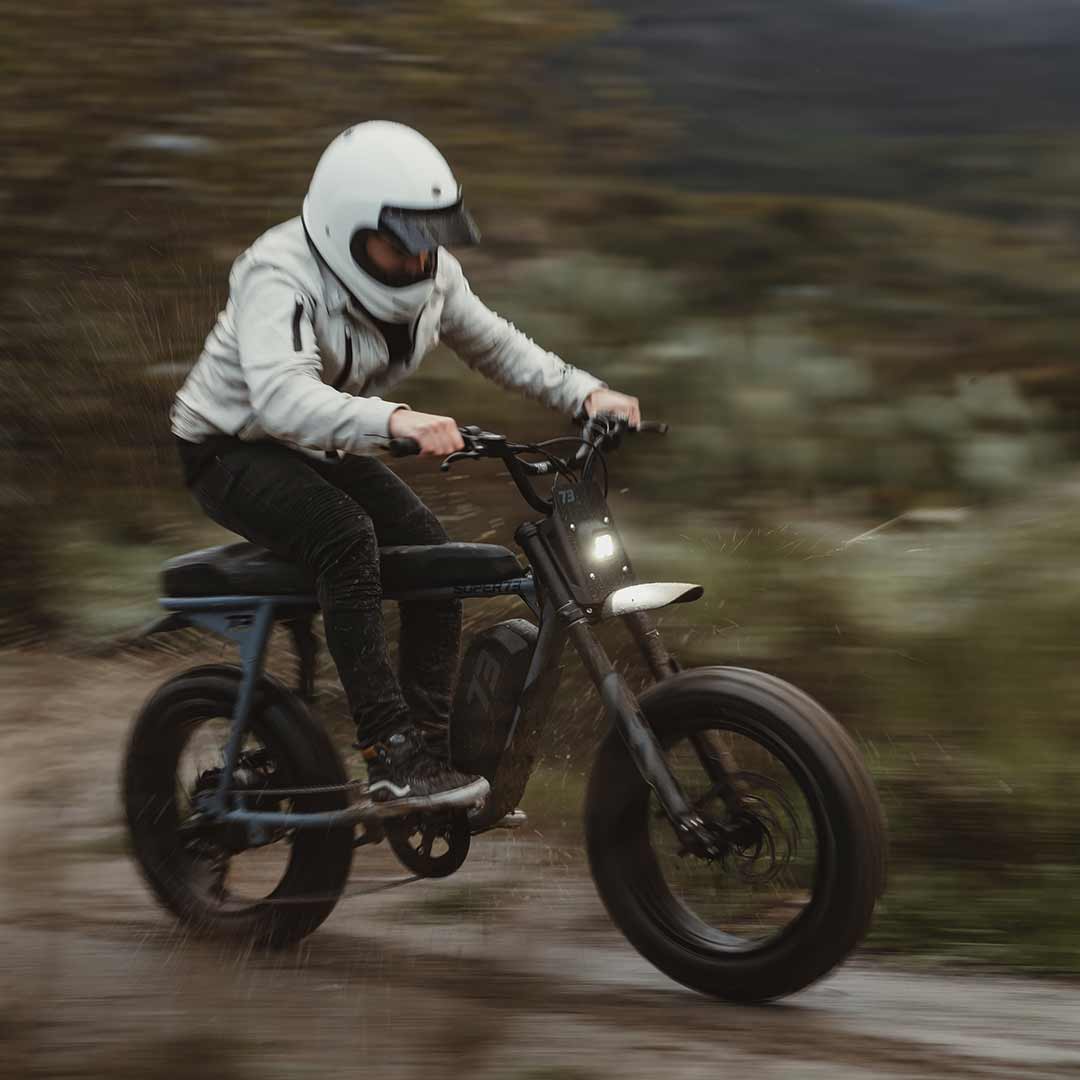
[281, 365]
[489, 344]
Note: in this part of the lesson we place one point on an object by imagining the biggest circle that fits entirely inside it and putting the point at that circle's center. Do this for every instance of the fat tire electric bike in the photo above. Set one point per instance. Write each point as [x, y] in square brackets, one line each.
[732, 829]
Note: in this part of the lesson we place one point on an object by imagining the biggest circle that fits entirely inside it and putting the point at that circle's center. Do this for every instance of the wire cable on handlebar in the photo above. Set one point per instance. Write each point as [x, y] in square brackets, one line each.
[538, 448]
[587, 464]
[563, 439]
[586, 467]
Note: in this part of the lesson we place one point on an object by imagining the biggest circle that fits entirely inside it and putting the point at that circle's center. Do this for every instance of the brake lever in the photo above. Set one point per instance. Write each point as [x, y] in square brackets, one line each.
[604, 431]
[459, 455]
[597, 434]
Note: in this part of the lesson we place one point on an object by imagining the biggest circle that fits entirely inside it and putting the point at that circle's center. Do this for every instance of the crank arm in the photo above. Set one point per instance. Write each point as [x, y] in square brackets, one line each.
[373, 833]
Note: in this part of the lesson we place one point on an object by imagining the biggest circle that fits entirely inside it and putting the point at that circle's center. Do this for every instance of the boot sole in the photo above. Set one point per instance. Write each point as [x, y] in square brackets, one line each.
[469, 795]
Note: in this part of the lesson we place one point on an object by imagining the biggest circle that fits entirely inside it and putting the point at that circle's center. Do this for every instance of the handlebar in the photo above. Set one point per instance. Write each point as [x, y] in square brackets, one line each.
[606, 430]
[599, 433]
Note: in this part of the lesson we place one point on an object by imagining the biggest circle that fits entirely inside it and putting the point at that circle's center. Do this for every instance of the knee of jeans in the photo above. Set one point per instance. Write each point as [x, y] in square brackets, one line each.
[347, 574]
[342, 547]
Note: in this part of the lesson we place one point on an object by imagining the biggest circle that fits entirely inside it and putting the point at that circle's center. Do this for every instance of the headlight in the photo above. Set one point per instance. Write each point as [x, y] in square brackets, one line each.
[603, 546]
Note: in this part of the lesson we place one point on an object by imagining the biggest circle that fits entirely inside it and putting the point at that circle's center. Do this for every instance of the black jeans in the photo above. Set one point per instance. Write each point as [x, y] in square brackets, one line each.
[331, 519]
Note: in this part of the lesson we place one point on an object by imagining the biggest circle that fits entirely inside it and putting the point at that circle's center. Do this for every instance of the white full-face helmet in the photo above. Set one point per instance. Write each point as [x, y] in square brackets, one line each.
[387, 178]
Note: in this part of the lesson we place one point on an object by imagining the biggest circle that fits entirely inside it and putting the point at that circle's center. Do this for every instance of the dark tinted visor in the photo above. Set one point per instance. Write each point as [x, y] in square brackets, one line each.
[398, 279]
[425, 230]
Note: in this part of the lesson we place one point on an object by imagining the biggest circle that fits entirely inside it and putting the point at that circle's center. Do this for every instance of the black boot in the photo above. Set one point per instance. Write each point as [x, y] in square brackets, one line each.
[404, 777]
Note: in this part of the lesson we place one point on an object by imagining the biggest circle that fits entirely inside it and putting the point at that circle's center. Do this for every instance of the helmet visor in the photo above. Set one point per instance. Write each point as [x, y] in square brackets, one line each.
[385, 271]
[425, 230]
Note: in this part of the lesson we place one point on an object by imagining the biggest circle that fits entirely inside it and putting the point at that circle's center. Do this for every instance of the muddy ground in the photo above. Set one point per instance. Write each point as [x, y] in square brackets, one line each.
[508, 970]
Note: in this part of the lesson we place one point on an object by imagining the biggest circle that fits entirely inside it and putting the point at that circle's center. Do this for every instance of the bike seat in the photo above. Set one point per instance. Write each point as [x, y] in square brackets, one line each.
[245, 569]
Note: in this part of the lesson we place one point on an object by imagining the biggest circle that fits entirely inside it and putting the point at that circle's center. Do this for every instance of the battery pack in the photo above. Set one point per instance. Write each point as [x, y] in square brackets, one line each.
[492, 674]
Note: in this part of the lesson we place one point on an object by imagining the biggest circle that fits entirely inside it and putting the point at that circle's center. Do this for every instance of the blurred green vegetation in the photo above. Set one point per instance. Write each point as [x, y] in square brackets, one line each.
[863, 337]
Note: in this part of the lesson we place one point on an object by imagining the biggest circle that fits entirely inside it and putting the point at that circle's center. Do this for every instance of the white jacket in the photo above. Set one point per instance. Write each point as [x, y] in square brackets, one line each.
[291, 359]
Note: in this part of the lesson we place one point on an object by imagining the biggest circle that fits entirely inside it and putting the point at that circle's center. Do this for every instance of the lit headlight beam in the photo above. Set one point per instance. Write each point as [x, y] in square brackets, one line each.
[603, 546]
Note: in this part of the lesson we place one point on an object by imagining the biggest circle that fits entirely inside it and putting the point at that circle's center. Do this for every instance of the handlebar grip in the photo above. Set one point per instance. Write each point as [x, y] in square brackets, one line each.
[403, 447]
[656, 426]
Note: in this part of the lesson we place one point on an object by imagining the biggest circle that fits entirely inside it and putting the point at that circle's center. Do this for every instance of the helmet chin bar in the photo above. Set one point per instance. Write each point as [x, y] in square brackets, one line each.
[387, 303]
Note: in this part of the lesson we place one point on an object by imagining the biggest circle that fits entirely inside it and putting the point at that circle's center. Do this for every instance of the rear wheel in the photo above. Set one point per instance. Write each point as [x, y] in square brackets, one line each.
[269, 885]
[800, 827]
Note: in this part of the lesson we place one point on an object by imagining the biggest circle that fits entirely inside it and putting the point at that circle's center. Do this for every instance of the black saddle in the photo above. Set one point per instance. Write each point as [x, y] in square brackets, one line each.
[244, 569]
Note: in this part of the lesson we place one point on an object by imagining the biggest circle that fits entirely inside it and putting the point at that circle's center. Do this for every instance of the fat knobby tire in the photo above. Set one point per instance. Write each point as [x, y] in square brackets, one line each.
[848, 820]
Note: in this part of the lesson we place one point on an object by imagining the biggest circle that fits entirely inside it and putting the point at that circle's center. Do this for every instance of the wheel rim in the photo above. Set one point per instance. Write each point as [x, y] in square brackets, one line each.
[221, 871]
[778, 859]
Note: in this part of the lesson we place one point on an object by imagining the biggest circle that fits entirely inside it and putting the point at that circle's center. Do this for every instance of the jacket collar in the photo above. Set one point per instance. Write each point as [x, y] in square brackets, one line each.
[335, 296]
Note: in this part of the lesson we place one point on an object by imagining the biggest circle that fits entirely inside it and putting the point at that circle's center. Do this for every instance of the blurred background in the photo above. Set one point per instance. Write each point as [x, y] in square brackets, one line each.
[834, 245]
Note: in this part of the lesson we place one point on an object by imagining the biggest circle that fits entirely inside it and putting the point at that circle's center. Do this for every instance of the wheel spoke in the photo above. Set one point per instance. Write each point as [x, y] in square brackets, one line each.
[233, 872]
[742, 893]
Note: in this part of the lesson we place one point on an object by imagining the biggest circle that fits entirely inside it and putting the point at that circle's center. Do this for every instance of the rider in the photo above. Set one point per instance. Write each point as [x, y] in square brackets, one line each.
[276, 422]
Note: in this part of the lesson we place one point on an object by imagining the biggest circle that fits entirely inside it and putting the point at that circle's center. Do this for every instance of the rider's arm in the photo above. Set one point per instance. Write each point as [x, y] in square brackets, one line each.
[281, 365]
[497, 349]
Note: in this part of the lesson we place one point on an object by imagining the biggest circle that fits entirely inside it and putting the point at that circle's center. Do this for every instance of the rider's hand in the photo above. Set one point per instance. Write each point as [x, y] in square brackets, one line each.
[437, 435]
[611, 401]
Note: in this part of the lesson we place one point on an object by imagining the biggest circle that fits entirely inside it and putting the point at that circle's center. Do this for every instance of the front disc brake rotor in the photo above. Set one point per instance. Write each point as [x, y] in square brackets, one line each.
[772, 829]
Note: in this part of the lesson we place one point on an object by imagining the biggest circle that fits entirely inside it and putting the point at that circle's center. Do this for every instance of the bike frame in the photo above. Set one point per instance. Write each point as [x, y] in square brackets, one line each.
[248, 621]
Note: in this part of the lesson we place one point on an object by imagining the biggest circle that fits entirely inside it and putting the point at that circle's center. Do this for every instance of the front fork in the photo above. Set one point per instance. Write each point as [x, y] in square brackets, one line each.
[716, 760]
[622, 706]
[640, 740]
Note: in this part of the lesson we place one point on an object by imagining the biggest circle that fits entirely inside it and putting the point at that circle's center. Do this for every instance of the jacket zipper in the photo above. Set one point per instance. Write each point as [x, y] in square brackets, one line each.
[297, 312]
[340, 381]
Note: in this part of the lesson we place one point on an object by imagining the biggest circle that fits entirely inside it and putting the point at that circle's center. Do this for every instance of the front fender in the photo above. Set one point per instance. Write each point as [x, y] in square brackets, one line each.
[648, 596]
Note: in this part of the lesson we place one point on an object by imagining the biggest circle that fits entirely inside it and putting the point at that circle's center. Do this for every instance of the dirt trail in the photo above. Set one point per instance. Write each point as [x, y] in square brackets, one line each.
[508, 970]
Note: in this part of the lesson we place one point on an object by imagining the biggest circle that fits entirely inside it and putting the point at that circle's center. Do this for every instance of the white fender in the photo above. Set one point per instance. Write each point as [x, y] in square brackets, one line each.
[648, 596]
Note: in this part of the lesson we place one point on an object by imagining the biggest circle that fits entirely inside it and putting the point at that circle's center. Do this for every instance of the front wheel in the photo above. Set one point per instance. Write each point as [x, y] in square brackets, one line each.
[802, 830]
